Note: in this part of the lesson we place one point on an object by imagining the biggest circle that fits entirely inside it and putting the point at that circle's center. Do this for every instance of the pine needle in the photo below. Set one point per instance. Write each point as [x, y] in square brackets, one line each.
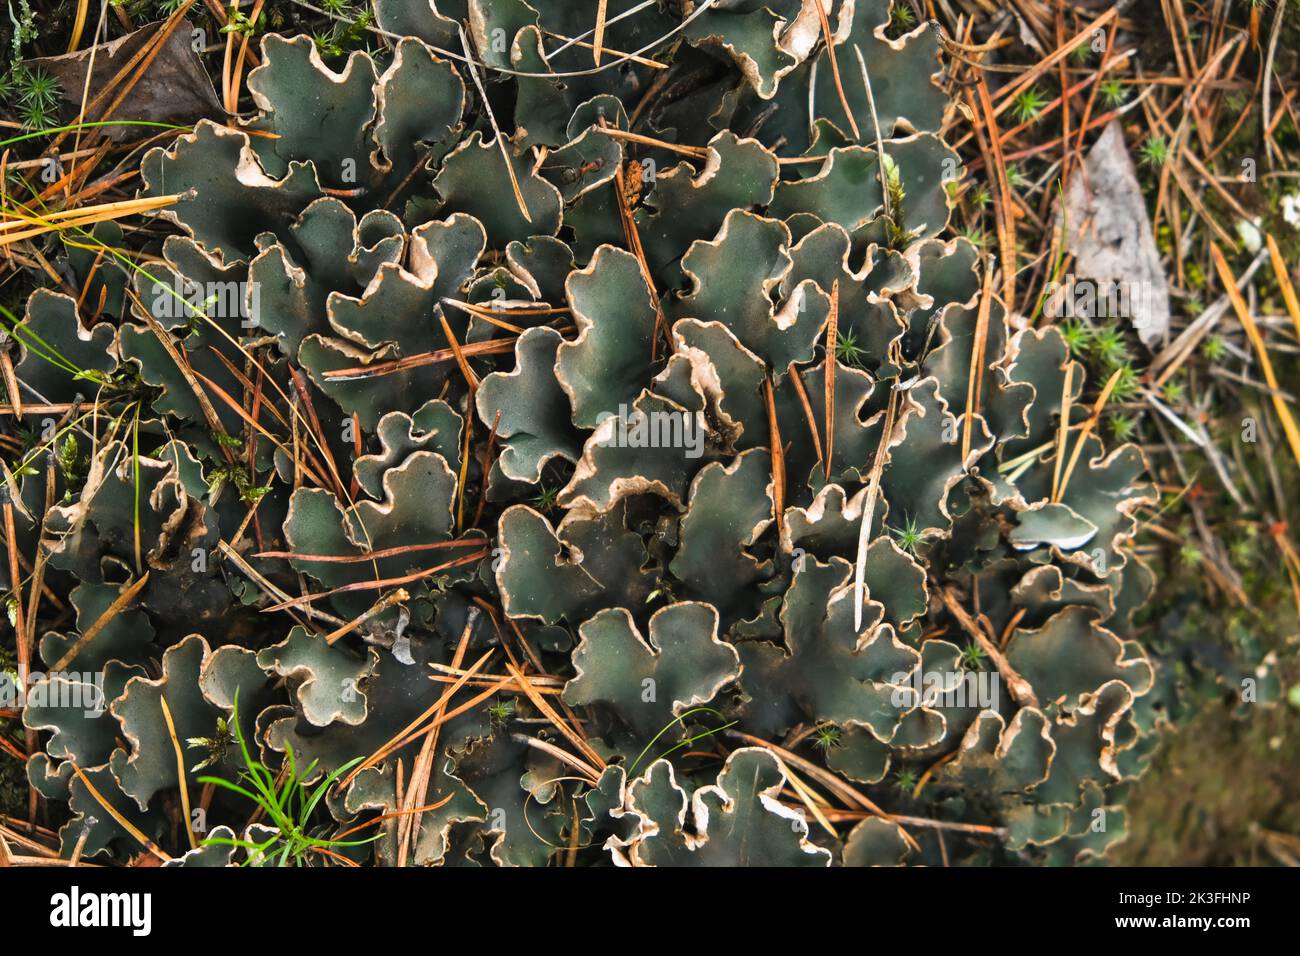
[835, 69]
[1284, 281]
[598, 41]
[112, 611]
[802, 394]
[500, 138]
[778, 457]
[121, 821]
[1257, 340]
[1088, 426]
[975, 381]
[832, 332]
[1063, 429]
[180, 773]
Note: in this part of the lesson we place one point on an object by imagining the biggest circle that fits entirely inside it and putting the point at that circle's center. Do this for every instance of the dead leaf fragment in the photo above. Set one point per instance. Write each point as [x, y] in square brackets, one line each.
[174, 89]
[1111, 239]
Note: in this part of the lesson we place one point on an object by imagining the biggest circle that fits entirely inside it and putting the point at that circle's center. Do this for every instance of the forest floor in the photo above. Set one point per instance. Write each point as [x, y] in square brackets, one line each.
[1205, 95]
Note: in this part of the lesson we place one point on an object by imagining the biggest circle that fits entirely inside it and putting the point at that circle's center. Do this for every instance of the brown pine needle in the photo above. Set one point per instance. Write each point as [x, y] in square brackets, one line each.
[427, 808]
[929, 771]
[317, 433]
[183, 366]
[19, 219]
[491, 347]
[1009, 93]
[395, 742]
[486, 467]
[336, 857]
[1063, 429]
[15, 578]
[16, 228]
[1284, 281]
[832, 332]
[121, 821]
[1088, 426]
[500, 138]
[78, 26]
[974, 383]
[1011, 628]
[802, 393]
[695, 152]
[498, 683]
[470, 378]
[588, 772]
[846, 793]
[112, 611]
[408, 827]
[633, 236]
[180, 773]
[633, 57]
[699, 152]
[79, 848]
[237, 78]
[485, 314]
[364, 556]
[598, 40]
[549, 713]
[243, 413]
[1004, 217]
[372, 585]
[269, 589]
[809, 798]
[778, 457]
[1257, 340]
[835, 69]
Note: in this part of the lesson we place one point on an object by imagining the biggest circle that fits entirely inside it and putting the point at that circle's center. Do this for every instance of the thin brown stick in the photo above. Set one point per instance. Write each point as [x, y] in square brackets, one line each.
[1021, 690]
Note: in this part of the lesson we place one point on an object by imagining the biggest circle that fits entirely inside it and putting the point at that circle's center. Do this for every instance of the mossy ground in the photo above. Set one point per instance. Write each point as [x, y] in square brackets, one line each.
[1211, 787]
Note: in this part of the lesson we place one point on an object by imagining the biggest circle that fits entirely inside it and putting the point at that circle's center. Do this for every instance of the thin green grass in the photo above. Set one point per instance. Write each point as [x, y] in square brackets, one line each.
[287, 804]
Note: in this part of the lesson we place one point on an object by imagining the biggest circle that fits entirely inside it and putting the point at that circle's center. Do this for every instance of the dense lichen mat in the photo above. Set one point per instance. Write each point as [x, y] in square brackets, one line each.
[562, 493]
